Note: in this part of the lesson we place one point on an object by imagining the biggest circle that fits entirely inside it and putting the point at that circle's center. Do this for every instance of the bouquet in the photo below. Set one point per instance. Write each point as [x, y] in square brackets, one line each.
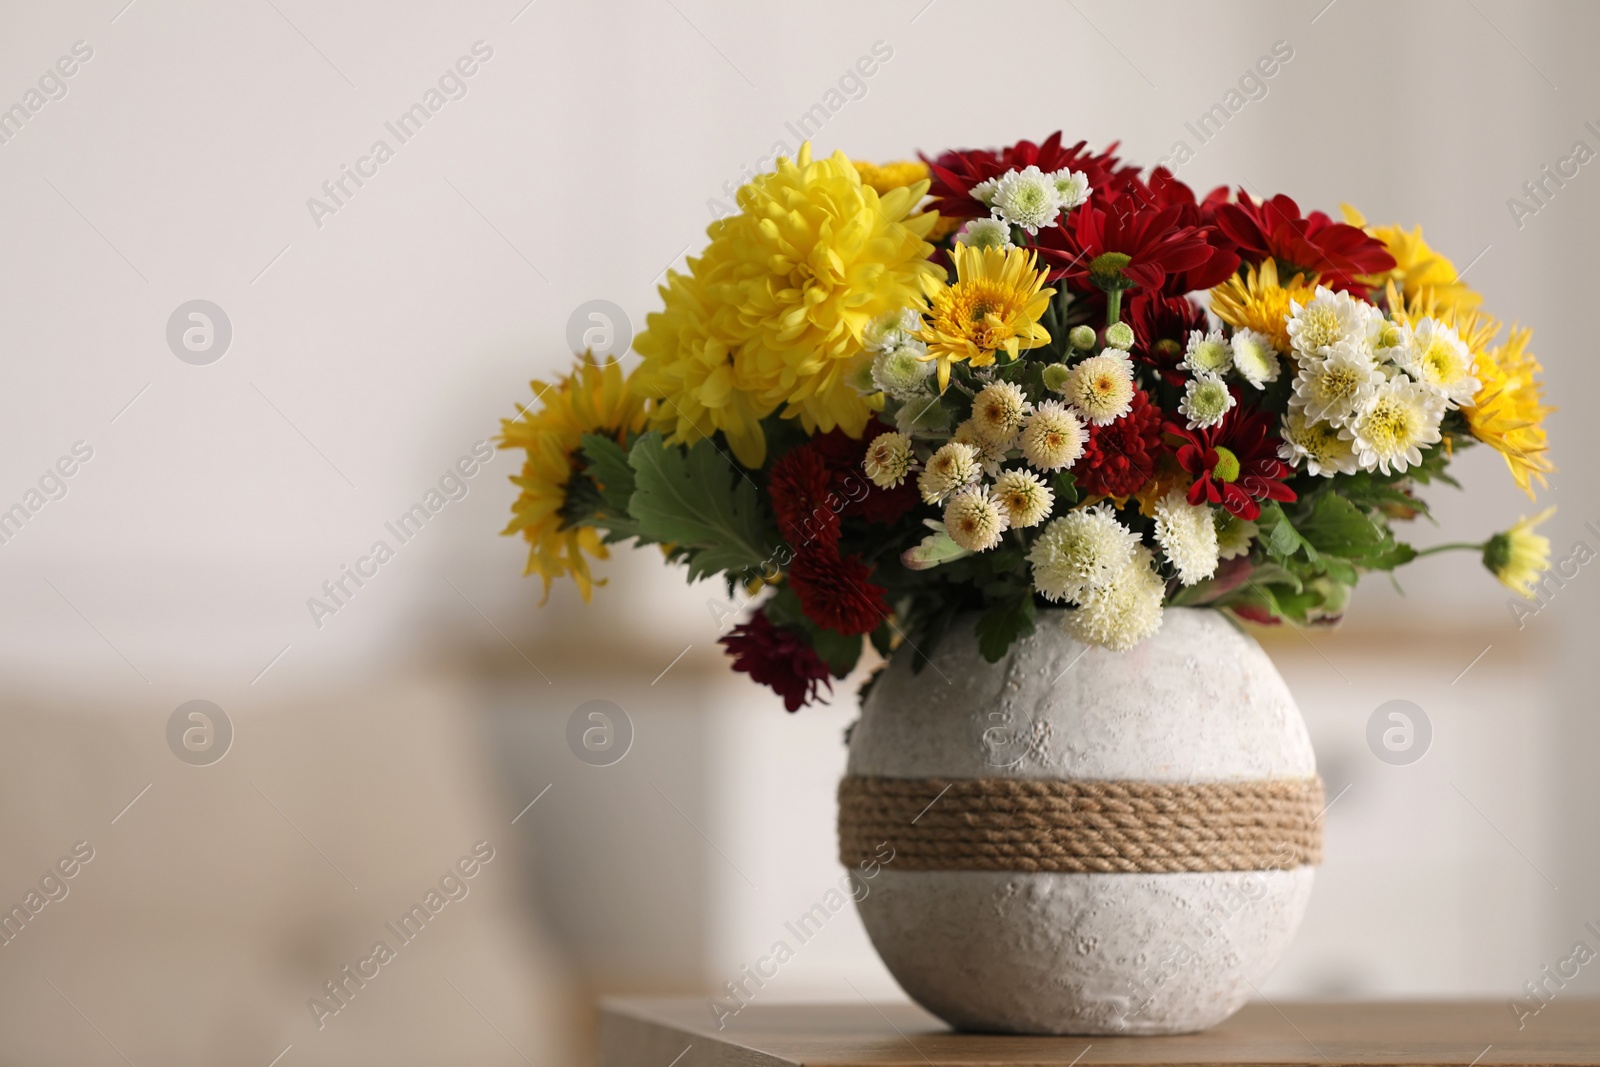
[887, 398]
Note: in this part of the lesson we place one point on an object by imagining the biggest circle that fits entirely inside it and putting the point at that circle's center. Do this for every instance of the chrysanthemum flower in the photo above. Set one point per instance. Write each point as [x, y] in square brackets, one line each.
[1508, 411]
[1333, 389]
[1519, 557]
[778, 657]
[1318, 444]
[888, 459]
[1187, 536]
[1256, 300]
[836, 593]
[1123, 611]
[887, 177]
[902, 372]
[1417, 267]
[1390, 431]
[994, 306]
[990, 453]
[1079, 550]
[974, 519]
[1233, 534]
[986, 233]
[1434, 355]
[1101, 388]
[1052, 437]
[1119, 459]
[1331, 320]
[891, 330]
[1254, 358]
[1207, 353]
[1024, 497]
[1072, 188]
[1206, 399]
[591, 399]
[1026, 198]
[998, 411]
[954, 465]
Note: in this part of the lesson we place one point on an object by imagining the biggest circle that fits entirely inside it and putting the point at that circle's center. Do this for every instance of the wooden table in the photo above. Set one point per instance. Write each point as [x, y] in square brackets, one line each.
[682, 1033]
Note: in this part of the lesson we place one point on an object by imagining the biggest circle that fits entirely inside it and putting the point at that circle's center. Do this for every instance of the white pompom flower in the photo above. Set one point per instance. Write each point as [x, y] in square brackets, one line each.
[1101, 388]
[986, 233]
[1188, 537]
[1052, 437]
[1078, 551]
[998, 412]
[1207, 353]
[952, 466]
[902, 372]
[974, 519]
[1072, 188]
[1123, 611]
[888, 459]
[1024, 496]
[1026, 198]
[1206, 399]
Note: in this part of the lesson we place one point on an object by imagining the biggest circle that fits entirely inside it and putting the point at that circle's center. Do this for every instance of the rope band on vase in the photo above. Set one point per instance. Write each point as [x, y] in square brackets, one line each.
[1028, 824]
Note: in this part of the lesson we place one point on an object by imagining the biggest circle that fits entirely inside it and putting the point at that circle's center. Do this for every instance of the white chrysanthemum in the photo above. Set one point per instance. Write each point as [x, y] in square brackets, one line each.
[1331, 389]
[990, 453]
[1207, 353]
[1332, 320]
[922, 414]
[1079, 550]
[1187, 536]
[1233, 534]
[888, 459]
[1390, 432]
[891, 330]
[1206, 399]
[998, 411]
[1052, 437]
[954, 465]
[1072, 187]
[974, 519]
[1254, 357]
[1434, 355]
[986, 233]
[1319, 444]
[1026, 198]
[859, 376]
[1101, 388]
[1123, 611]
[1024, 496]
[984, 191]
[1388, 337]
[902, 372]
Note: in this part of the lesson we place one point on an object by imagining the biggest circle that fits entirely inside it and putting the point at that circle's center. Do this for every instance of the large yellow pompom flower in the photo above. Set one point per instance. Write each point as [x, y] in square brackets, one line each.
[1257, 300]
[690, 373]
[993, 306]
[775, 308]
[1417, 267]
[592, 399]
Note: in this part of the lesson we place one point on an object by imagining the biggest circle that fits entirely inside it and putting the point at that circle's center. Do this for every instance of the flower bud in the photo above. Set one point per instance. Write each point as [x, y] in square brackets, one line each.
[1081, 337]
[1119, 335]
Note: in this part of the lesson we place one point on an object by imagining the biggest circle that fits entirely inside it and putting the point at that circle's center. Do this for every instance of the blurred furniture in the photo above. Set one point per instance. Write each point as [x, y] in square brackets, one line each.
[682, 1033]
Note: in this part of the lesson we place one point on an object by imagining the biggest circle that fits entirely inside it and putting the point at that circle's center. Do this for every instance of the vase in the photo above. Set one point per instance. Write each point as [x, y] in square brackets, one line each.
[1080, 841]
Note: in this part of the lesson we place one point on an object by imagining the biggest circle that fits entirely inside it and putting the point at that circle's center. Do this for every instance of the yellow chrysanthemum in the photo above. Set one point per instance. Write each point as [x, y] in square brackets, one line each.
[1519, 557]
[1507, 412]
[993, 306]
[885, 178]
[1258, 301]
[691, 377]
[1417, 266]
[592, 399]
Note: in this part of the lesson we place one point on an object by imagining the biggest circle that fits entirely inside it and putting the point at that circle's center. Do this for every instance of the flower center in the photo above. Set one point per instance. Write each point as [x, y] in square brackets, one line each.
[1226, 469]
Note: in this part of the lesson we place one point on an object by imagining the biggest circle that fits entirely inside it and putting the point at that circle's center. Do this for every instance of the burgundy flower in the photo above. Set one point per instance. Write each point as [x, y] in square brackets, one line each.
[778, 657]
[1119, 458]
[955, 173]
[1120, 242]
[842, 455]
[835, 593]
[1161, 326]
[1234, 463]
[800, 486]
[1334, 251]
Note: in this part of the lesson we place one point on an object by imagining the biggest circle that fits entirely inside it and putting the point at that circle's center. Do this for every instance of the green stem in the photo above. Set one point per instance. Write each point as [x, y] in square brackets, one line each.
[1454, 546]
[1113, 307]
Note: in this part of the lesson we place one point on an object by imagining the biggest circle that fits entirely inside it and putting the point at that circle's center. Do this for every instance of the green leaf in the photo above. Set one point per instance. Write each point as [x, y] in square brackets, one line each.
[1339, 528]
[694, 500]
[839, 652]
[1396, 554]
[934, 549]
[1065, 486]
[1004, 623]
[607, 468]
[1279, 536]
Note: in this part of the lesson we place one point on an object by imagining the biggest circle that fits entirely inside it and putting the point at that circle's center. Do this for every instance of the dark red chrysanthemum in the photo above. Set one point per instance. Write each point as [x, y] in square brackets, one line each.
[1334, 251]
[1161, 326]
[835, 593]
[842, 455]
[1120, 458]
[777, 657]
[1234, 463]
[954, 173]
[1122, 237]
[800, 486]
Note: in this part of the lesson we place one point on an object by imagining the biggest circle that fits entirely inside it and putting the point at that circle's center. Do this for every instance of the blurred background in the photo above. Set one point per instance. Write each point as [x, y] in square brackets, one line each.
[362, 347]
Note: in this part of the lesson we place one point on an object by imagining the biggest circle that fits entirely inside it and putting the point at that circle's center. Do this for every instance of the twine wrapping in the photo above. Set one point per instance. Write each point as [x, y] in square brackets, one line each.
[1025, 824]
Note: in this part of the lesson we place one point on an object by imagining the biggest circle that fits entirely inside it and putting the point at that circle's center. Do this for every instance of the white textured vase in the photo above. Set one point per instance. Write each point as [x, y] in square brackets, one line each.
[1085, 953]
